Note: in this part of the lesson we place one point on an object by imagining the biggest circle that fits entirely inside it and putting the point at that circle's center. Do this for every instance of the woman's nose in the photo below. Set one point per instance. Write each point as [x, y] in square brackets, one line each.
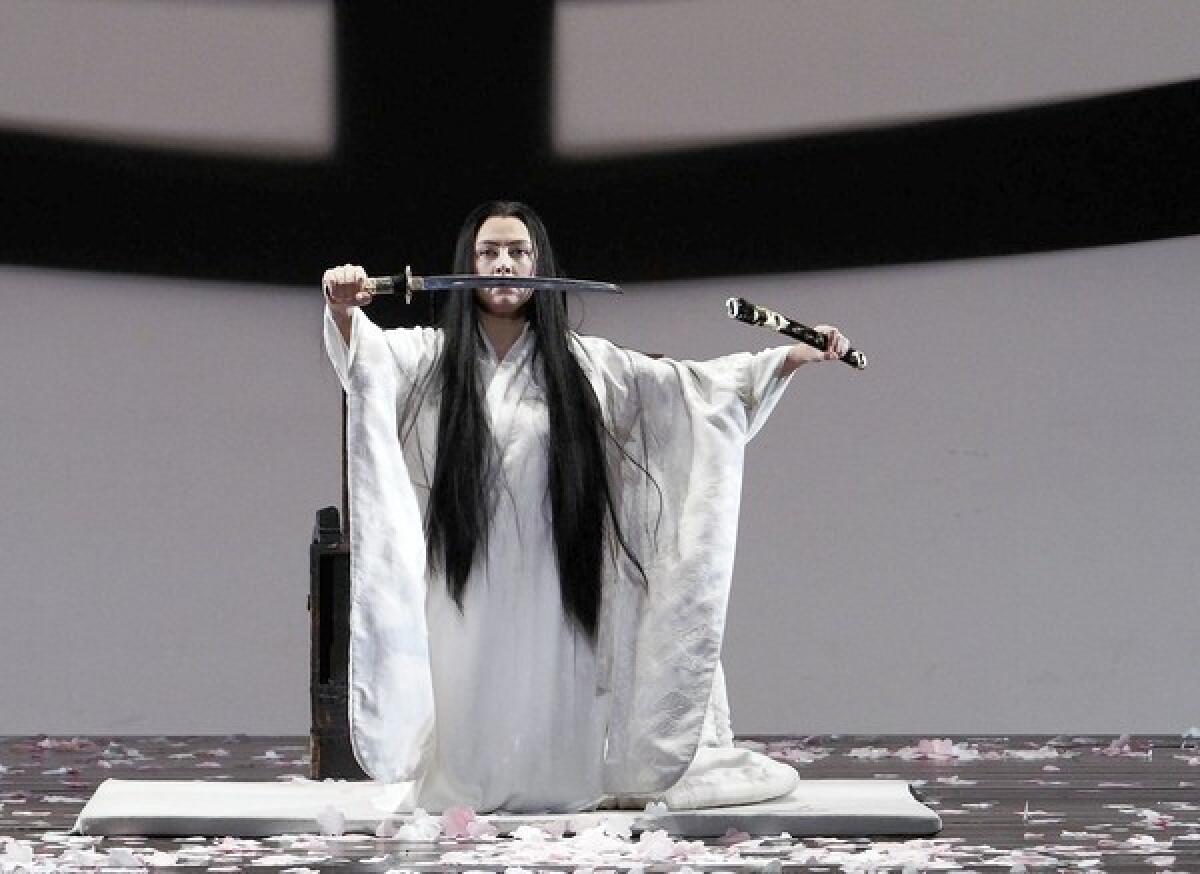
[504, 264]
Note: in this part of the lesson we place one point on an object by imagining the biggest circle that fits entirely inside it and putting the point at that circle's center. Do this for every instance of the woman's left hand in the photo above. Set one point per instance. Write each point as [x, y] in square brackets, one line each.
[802, 353]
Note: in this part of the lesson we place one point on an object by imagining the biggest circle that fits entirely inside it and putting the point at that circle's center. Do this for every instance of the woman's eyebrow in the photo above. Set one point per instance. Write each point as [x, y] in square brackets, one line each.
[504, 243]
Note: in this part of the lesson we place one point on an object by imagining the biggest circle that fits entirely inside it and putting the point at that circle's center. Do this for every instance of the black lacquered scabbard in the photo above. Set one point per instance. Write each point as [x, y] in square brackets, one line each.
[753, 314]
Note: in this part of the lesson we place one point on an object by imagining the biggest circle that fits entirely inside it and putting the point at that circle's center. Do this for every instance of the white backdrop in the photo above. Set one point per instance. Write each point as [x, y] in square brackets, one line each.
[656, 74]
[186, 75]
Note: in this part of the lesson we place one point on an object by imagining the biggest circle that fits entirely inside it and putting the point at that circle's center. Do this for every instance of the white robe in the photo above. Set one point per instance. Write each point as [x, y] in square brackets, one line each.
[504, 705]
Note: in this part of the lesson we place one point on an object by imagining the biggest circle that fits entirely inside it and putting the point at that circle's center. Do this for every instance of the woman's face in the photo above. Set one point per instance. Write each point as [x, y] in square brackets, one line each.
[503, 248]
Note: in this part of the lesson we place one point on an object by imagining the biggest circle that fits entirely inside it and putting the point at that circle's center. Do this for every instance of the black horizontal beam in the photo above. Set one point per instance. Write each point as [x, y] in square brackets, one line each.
[438, 111]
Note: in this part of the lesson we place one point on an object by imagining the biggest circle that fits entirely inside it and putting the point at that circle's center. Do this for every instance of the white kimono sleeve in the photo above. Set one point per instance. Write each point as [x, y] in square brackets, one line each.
[687, 423]
[391, 708]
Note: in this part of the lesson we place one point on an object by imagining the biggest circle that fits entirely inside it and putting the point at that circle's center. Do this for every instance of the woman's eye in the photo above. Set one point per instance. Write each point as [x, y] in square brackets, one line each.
[521, 253]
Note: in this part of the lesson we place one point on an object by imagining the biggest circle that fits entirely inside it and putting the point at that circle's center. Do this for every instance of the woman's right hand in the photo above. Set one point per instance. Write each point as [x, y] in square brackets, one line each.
[345, 287]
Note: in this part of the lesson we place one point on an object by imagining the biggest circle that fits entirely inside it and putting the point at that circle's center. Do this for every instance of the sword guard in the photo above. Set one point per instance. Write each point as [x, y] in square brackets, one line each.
[411, 284]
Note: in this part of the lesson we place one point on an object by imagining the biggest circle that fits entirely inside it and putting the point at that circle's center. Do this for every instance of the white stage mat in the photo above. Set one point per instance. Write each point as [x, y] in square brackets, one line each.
[184, 808]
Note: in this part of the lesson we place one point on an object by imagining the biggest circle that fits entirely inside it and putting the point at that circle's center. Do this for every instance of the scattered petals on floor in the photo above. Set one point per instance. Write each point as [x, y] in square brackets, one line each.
[1067, 803]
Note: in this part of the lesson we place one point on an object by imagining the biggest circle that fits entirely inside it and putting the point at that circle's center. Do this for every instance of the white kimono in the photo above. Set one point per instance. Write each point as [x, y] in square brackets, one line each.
[504, 705]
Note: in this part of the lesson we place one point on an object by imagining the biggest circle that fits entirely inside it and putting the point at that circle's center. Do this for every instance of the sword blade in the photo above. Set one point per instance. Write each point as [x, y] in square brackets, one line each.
[459, 282]
[407, 283]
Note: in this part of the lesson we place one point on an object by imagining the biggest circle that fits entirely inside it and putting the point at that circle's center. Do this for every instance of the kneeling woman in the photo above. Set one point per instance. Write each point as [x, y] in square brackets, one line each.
[541, 546]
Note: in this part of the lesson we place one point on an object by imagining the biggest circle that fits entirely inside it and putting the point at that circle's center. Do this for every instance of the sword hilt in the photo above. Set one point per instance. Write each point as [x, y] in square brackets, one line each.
[388, 284]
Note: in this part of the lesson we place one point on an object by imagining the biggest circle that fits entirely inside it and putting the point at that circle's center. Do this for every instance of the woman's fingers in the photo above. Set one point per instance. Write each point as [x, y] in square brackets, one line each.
[841, 345]
[344, 285]
[837, 346]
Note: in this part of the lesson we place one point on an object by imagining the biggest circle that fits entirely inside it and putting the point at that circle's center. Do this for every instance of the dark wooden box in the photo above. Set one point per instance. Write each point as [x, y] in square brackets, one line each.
[329, 612]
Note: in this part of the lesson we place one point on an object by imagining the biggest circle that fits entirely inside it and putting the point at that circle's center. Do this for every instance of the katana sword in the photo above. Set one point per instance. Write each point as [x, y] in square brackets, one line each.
[752, 314]
[408, 283]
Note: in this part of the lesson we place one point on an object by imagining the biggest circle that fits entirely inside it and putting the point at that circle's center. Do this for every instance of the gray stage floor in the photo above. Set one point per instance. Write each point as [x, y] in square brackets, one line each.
[1067, 803]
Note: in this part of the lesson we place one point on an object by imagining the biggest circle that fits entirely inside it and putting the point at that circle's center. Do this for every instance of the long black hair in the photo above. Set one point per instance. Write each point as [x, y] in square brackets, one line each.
[581, 497]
